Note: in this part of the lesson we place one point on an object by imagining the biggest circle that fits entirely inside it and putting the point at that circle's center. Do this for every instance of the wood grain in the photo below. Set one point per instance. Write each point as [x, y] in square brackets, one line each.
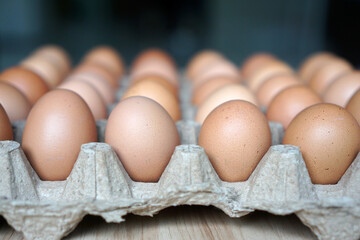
[185, 222]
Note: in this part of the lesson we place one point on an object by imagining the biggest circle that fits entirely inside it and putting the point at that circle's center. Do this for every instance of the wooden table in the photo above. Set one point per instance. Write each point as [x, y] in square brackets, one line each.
[185, 222]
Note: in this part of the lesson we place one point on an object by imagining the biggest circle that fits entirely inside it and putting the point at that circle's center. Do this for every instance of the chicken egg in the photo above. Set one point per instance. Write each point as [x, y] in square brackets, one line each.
[312, 63]
[353, 106]
[254, 62]
[6, 132]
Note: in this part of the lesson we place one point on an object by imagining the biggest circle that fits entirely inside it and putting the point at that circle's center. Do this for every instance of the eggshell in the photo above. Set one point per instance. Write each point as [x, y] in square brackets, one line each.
[254, 62]
[224, 94]
[29, 83]
[58, 55]
[166, 83]
[90, 95]
[104, 88]
[216, 69]
[98, 70]
[6, 132]
[50, 73]
[157, 92]
[16, 105]
[353, 106]
[289, 102]
[267, 70]
[144, 137]
[200, 61]
[328, 73]
[202, 91]
[107, 57]
[58, 124]
[341, 90]
[312, 63]
[274, 85]
[235, 136]
[329, 139]
[158, 68]
[153, 54]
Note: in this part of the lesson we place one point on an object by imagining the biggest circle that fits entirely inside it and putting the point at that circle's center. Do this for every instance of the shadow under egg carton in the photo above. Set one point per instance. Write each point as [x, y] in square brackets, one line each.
[99, 185]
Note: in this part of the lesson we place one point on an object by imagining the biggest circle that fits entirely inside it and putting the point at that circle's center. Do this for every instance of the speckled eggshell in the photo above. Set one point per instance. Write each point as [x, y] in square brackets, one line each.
[235, 136]
[329, 139]
[6, 132]
[58, 124]
[144, 137]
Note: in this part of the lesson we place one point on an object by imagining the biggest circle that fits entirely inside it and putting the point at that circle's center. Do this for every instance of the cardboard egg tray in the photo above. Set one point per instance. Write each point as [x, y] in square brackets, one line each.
[99, 185]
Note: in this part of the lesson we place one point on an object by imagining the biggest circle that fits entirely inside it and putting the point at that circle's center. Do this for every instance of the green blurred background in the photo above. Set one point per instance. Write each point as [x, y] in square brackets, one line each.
[289, 29]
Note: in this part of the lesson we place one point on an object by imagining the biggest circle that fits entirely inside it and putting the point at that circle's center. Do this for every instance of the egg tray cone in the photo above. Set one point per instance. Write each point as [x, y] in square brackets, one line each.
[99, 185]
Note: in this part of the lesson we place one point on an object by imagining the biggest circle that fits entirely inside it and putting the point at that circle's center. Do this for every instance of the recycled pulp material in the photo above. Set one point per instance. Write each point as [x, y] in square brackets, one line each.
[99, 185]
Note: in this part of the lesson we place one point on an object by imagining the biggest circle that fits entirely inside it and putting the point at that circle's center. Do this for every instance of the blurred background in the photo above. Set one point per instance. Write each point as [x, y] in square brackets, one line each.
[289, 29]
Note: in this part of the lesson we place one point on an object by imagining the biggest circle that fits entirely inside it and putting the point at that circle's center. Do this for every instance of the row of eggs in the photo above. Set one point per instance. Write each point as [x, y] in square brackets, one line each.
[142, 132]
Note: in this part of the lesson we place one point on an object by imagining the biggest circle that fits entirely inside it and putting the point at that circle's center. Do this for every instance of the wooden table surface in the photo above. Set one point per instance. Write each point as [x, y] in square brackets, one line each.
[185, 222]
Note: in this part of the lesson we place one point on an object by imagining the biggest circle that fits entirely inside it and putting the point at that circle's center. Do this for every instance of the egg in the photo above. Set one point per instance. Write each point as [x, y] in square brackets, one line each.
[58, 55]
[58, 124]
[200, 61]
[254, 62]
[157, 92]
[215, 69]
[274, 85]
[312, 63]
[98, 70]
[107, 57]
[235, 136]
[223, 94]
[105, 90]
[267, 70]
[329, 139]
[143, 136]
[166, 83]
[341, 90]
[353, 106]
[289, 102]
[153, 54]
[6, 132]
[328, 73]
[16, 105]
[202, 91]
[29, 83]
[90, 95]
[50, 73]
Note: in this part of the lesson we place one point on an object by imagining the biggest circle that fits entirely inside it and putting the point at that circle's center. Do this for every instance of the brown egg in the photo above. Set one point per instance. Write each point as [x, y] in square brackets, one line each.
[200, 61]
[56, 54]
[29, 83]
[267, 70]
[166, 83]
[157, 92]
[353, 106]
[153, 54]
[235, 136]
[254, 62]
[6, 132]
[329, 139]
[107, 57]
[274, 85]
[90, 95]
[312, 63]
[143, 136]
[289, 102]
[217, 68]
[328, 73]
[58, 124]
[45, 69]
[158, 68]
[97, 70]
[224, 94]
[16, 105]
[104, 88]
[342, 89]
[202, 91]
